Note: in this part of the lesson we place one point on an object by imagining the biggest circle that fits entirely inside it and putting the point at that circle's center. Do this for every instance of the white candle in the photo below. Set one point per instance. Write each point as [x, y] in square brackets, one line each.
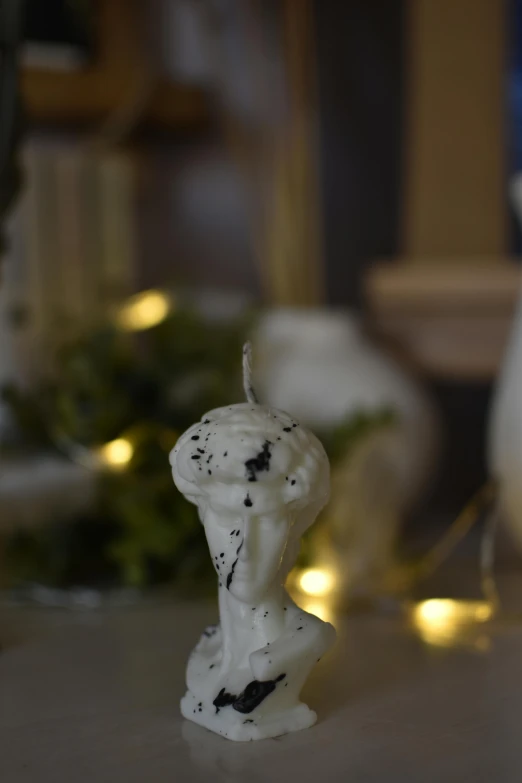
[259, 480]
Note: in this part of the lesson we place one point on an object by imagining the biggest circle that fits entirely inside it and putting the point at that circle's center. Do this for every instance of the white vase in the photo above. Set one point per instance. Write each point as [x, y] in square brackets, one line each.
[319, 366]
[505, 431]
[504, 449]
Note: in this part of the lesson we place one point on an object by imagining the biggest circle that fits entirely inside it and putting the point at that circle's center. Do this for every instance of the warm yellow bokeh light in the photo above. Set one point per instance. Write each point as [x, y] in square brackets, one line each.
[117, 453]
[320, 608]
[144, 311]
[436, 610]
[316, 581]
[444, 622]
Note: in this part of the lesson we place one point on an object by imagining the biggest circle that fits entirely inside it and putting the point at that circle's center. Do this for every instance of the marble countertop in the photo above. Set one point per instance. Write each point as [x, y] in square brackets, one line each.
[93, 696]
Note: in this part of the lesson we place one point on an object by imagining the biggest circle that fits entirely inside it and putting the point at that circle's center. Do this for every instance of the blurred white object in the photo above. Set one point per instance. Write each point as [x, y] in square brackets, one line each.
[41, 489]
[319, 365]
[354, 543]
[505, 423]
[515, 194]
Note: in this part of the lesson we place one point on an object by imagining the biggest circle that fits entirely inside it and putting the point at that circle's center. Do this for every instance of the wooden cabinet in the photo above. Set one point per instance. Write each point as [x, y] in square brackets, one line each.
[448, 299]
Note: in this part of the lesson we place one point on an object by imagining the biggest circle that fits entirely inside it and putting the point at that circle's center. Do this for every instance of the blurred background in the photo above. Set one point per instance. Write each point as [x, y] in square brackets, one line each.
[336, 180]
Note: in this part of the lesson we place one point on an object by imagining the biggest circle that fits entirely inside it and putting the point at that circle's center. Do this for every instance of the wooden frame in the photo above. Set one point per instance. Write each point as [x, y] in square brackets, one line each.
[121, 76]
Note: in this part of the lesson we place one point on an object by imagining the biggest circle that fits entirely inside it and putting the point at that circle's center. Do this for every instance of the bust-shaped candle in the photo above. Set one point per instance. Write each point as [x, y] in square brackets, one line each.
[259, 480]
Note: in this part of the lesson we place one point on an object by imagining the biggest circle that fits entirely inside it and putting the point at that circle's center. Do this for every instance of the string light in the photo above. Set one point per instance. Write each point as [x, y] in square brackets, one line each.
[143, 311]
[316, 581]
[444, 622]
[116, 454]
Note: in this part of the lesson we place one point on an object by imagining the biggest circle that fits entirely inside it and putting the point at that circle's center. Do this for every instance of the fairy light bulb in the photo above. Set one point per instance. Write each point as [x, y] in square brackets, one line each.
[144, 311]
[316, 581]
[117, 454]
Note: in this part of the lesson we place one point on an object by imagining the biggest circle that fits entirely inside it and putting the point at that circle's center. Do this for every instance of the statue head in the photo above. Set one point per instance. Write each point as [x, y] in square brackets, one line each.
[259, 480]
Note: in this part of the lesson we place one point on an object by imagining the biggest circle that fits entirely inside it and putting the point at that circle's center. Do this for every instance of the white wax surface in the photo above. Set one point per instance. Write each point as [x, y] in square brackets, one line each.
[259, 480]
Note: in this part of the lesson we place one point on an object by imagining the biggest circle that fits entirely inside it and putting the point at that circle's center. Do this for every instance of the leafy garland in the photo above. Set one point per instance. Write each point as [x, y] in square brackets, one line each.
[148, 388]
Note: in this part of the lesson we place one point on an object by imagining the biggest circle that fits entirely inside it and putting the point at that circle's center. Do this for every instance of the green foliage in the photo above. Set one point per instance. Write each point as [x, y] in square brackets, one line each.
[148, 388]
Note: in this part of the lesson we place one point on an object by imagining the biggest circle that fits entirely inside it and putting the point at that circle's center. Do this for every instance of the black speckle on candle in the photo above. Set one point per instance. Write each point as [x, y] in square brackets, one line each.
[201, 451]
[300, 628]
[292, 482]
[195, 437]
[206, 421]
[254, 693]
[209, 472]
[247, 501]
[259, 463]
[287, 429]
[225, 454]
[223, 699]
[248, 720]
[222, 554]
[211, 665]
[285, 608]
[196, 456]
[231, 574]
[237, 532]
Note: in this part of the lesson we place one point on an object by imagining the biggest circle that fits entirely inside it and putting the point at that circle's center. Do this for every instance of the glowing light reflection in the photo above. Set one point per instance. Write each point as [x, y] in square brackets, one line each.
[321, 608]
[316, 582]
[446, 622]
[143, 311]
[116, 454]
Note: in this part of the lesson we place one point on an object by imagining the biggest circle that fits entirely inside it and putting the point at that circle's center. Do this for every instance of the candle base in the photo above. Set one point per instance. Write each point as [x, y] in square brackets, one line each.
[242, 727]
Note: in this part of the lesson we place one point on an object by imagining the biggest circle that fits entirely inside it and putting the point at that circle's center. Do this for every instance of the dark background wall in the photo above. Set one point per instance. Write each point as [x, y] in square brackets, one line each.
[360, 75]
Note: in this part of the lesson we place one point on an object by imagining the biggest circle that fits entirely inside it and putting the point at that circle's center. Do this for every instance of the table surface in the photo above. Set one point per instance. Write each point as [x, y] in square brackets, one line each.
[93, 696]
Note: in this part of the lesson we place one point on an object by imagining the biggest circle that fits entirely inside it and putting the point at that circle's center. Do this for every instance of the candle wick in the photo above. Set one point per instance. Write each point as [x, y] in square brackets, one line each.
[250, 393]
